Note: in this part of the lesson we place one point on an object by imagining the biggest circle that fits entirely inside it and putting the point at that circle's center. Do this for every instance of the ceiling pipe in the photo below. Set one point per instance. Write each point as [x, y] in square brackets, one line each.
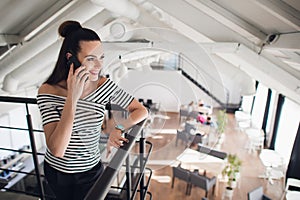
[120, 8]
[30, 49]
[129, 10]
[13, 80]
[18, 63]
[154, 29]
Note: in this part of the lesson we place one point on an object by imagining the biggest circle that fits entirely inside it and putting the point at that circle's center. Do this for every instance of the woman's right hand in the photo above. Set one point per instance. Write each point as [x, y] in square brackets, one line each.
[76, 81]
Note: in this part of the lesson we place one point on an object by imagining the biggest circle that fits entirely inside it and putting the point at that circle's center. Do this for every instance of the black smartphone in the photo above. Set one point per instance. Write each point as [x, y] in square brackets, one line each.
[73, 59]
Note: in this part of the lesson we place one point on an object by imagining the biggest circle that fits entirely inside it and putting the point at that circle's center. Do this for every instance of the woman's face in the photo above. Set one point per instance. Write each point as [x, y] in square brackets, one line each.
[91, 56]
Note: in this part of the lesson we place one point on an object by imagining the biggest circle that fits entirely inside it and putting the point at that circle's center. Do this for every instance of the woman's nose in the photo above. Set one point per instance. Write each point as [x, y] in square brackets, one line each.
[98, 64]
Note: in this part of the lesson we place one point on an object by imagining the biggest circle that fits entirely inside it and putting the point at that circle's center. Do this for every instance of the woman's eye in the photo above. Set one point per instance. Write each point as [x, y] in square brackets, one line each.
[90, 59]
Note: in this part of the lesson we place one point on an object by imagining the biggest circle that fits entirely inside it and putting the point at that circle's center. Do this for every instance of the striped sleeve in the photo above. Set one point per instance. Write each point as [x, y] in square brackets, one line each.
[48, 110]
[121, 97]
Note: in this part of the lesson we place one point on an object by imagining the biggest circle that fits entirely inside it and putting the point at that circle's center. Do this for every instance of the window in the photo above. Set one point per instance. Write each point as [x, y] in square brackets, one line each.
[287, 128]
[271, 111]
[259, 105]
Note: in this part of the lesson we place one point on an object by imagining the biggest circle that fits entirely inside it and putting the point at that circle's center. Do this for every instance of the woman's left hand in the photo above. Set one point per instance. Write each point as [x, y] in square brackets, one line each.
[115, 140]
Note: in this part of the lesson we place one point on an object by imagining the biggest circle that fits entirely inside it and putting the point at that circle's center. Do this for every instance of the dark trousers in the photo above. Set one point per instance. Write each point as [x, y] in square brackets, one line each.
[71, 186]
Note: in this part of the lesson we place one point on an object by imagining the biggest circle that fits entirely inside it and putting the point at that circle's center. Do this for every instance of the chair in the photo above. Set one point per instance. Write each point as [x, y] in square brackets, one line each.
[257, 194]
[193, 114]
[196, 139]
[188, 127]
[183, 113]
[292, 189]
[256, 143]
[149, 102]
[182, 174]
[218, 154]
[183, 136]
[212, 152]
[203, 182]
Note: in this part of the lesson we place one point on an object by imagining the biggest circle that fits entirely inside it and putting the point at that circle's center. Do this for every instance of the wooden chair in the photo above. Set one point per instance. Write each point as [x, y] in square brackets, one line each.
[203, 182]
[182, 174]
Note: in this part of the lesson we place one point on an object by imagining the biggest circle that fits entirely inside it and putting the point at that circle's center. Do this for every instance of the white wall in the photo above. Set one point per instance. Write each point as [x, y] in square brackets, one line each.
[169, 88]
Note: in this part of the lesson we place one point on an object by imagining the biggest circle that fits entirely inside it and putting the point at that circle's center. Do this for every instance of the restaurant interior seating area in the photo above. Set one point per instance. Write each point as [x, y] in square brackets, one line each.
[190, 159]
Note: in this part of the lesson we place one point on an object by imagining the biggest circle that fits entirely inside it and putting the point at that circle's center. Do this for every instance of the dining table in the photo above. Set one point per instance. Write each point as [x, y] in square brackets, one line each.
[194, 160]
[274, 164]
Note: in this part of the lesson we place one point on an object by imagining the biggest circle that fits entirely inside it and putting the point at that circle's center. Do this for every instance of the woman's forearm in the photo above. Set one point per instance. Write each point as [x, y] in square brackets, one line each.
[58, 140]
[136, 115]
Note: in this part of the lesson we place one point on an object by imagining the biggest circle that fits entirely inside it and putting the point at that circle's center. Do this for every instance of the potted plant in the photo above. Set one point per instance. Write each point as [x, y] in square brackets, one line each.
[221, 125]
[231, 172]
[221, 121]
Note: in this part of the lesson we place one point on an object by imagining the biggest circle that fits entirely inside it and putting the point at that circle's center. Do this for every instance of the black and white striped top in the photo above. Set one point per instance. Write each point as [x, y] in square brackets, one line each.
[83, 151]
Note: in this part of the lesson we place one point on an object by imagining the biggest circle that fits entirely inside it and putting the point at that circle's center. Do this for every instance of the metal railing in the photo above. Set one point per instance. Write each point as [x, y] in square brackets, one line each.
[103, 184]
[33, 152]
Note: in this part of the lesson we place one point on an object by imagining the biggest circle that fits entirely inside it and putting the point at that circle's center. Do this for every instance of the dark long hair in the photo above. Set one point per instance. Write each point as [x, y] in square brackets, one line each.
[73, 34]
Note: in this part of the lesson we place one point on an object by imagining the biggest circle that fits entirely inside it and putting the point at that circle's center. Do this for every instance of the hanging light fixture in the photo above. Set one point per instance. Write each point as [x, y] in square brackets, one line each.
[123, 69]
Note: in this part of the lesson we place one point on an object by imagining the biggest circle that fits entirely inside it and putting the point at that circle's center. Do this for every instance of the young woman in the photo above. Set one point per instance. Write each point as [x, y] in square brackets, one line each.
[72, 104]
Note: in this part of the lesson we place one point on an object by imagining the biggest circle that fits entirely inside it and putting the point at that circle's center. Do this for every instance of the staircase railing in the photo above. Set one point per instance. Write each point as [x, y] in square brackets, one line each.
[196, 73]
[190, 70]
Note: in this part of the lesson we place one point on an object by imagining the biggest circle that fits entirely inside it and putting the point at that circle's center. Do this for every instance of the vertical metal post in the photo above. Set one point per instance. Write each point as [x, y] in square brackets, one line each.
[34, 154]
[142, 151]
[128, 178]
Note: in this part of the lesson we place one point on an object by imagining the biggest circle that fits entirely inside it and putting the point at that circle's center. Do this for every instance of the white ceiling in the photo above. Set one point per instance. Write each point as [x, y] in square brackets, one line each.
[236, 31]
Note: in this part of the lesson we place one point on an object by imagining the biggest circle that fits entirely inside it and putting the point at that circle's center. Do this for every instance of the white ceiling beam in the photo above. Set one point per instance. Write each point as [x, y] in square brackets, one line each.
[286, 42]
[228, 19]
[186, 30]
[282, 11]
[259, 67]
[9, 39]
[30, 49]
[40, 23]
[292, 60]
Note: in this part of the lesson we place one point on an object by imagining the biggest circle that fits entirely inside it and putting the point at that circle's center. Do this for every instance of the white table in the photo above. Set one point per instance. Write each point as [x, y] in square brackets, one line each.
[256, 139]
[253, 132]
[292, 195]
[272, 159]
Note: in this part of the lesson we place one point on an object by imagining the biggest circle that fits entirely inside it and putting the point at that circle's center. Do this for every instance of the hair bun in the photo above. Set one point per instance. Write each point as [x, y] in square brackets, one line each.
[67, 27]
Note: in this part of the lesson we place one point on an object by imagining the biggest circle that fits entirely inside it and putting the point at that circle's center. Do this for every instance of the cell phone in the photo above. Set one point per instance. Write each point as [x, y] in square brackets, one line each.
[73, 59]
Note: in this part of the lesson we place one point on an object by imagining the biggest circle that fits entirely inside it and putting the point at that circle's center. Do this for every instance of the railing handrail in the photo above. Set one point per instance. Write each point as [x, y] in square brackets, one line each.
[103, 184]
[18, 100]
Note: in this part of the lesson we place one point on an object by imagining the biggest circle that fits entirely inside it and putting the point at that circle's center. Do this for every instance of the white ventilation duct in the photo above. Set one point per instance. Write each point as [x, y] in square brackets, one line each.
[14, 79]
[125, 8]
[120, 8]
[121, 31]
[30, 50]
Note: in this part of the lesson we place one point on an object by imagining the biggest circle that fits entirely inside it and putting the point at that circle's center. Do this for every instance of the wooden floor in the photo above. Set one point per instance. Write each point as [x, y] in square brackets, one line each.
[165, 152]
